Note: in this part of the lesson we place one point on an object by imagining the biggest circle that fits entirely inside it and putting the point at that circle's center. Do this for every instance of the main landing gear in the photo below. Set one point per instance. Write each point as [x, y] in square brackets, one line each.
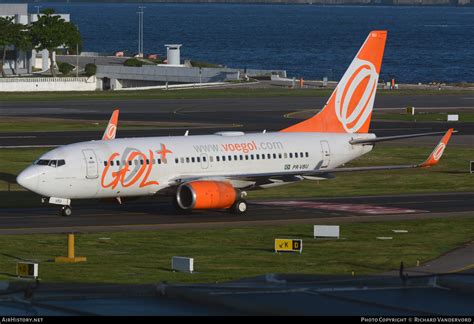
[239, 207]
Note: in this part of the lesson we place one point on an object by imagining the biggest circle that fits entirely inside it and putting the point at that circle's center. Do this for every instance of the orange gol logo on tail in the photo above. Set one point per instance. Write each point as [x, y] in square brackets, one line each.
[438, 152]
[353, 115]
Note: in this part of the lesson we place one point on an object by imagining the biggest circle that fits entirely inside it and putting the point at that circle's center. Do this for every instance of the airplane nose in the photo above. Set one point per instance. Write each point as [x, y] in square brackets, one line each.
[28, 179]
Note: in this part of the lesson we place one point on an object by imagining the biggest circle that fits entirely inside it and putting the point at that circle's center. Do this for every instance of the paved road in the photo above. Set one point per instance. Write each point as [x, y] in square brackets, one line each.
[149, 214]
[255, 114]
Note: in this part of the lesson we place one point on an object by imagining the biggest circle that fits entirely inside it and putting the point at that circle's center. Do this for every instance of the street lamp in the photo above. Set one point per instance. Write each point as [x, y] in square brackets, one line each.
[140, 31]
[77, 56]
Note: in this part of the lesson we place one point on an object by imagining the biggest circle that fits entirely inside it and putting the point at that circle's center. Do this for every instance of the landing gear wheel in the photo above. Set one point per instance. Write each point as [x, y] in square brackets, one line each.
[239, 207]
[66, 211]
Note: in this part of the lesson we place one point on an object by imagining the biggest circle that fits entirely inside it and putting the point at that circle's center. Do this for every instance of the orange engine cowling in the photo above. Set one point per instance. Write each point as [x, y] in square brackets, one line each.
[206, 195]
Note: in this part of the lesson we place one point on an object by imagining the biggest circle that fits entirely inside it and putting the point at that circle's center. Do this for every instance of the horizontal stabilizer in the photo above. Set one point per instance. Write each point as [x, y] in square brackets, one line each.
[392, 138]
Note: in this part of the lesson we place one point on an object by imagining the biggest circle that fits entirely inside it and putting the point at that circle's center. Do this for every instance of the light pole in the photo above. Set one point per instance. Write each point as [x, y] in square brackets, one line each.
[77, 56]
[140, 31]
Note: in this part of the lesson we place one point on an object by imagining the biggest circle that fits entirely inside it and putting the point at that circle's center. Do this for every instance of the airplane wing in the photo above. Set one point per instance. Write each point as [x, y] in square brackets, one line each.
[111, 129]
[292, 176]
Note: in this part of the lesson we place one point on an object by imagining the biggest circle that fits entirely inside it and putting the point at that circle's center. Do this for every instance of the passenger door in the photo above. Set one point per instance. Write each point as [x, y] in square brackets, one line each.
[326, 154]
[92, 169]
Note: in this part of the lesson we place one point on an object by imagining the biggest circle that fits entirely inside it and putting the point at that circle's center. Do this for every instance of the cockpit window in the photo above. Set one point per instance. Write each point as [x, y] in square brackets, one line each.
[51, 163]
[42, 162]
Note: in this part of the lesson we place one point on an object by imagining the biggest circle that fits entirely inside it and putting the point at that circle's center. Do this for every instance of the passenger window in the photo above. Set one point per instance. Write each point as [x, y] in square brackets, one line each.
[223, 158]
[112, 163]
[246, 157]
[301, 154]
[285, 155]
[251, 156]
[153, 161]
[269, 156]
[193, 159]
[118, 162]
[165, 161]
[235, 157]
[105, 163]
[141, 162]
[211, 159]
[203, 159]
[274, 155]
[181, 160]
[129, 162]
[296, 155]
[291, 155]
[187, 160]
[176, 160]
[241, 157]
[279, 155]
[307, 154]
[158, 161]
[135, 162]
[217, 158]
[198, 159]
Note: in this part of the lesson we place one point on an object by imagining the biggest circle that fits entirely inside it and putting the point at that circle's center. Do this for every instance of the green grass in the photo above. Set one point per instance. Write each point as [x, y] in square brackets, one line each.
[451, 174]
[232, 253]
[239, 92]
[424, 116]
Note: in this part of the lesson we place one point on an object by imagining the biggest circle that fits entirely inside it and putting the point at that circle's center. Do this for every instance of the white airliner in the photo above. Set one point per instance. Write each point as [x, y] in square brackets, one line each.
[215, 171]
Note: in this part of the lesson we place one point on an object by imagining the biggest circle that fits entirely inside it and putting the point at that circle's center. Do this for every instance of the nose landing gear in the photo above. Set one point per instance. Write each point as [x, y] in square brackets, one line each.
[65, 211]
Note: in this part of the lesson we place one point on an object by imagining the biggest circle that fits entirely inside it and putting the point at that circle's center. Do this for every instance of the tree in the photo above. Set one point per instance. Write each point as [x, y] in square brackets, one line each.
[90, 69]
[12, 34]
[51, 31]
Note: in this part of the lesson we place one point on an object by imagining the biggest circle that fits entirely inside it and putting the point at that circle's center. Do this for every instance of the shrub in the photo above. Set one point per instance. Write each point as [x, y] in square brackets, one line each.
[133, 62]
[90, 69]
[65, 68]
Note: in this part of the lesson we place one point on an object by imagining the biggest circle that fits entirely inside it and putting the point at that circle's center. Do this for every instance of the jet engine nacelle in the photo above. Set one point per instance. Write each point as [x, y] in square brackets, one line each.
[206, 195]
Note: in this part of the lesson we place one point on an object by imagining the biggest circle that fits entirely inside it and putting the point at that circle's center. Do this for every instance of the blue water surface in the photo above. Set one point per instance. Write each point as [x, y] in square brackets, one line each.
[424, 43]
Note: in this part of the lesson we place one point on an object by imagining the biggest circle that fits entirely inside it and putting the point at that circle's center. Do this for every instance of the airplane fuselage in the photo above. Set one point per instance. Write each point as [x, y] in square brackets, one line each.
[146, 166]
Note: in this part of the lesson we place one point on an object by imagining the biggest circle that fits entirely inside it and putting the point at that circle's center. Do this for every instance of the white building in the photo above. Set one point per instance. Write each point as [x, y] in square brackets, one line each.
[19, 61]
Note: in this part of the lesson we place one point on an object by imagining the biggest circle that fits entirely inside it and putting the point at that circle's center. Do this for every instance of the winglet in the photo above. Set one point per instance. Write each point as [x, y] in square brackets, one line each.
[111, 129]
[435, 156]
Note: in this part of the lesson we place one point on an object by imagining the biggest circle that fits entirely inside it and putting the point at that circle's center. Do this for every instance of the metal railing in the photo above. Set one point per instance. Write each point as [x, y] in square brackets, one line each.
[46, 79]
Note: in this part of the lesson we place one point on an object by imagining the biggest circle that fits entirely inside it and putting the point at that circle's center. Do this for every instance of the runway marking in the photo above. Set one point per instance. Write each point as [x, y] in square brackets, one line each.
[354, 208]
[26, 146]
[10, 137]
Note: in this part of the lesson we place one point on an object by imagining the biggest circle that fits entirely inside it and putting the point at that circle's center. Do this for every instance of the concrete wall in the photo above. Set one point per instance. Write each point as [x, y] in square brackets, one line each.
[12, 9]
[167, 74]
[48, 84]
